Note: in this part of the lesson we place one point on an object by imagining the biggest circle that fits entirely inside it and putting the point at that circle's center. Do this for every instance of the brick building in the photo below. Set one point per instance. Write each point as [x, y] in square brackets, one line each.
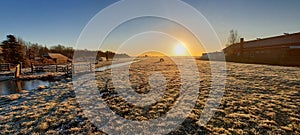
[278, 50]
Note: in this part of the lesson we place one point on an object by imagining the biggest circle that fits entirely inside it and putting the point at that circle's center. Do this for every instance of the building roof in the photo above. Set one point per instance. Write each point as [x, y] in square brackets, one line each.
[57, 56]
[274, 41]
[286, 39]
[279, 36]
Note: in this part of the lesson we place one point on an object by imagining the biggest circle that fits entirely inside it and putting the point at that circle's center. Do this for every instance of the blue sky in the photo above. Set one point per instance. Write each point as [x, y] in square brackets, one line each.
[52, 22]
[49, 22]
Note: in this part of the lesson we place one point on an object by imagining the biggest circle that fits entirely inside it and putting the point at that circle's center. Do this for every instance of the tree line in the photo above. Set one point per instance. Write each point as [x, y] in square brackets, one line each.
[15, 50]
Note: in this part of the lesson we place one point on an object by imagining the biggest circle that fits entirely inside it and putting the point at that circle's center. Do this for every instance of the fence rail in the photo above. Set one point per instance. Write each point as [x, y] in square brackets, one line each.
[83, 67]
[5, 67]
[67, 68]
[50, 68]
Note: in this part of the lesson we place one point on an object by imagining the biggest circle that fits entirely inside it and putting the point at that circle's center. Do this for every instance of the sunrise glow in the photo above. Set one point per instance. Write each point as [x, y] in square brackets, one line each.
[180, 50]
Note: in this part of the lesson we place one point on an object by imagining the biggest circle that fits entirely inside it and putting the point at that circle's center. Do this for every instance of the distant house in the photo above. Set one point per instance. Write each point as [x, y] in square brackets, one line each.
[58, 58]
[215, 56]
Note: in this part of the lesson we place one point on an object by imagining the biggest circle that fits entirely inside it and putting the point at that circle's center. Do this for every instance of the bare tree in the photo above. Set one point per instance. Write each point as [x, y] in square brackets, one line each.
[233, 37]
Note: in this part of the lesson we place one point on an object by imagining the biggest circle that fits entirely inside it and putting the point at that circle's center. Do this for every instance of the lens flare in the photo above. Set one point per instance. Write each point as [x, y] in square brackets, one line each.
[179, 50]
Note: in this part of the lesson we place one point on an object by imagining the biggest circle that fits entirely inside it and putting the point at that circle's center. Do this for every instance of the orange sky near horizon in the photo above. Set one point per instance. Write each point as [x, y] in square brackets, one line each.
[150, 34]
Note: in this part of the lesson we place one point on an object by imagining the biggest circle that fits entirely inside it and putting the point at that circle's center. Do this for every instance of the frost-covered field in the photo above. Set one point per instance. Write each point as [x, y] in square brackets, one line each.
[258, 99]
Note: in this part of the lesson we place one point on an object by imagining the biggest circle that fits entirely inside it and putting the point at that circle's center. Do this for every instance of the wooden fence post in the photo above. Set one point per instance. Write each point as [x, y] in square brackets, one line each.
[21, 65]
[73, 69]
[31, 66]
[17, 72]
[67, 69]
[56, 67]
[8, 66]
[91, 69]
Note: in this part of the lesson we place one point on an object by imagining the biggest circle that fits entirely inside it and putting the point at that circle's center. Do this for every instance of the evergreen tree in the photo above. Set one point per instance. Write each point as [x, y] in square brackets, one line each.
[13, 50]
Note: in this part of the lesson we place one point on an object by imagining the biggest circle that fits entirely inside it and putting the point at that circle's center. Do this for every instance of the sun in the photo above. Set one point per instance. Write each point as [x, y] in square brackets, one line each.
[179, 50]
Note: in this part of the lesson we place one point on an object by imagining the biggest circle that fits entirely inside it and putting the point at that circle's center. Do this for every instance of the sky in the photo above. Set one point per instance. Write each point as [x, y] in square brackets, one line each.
[53, 22]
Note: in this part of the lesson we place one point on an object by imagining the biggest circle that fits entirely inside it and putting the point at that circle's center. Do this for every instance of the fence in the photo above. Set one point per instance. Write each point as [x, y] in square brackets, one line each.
[68, 68]
[83, 67]
[50, 68]
[5, 67]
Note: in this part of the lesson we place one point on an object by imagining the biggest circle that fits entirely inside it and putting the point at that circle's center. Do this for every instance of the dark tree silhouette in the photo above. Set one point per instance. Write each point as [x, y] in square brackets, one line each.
[11, 38]
[13, 51]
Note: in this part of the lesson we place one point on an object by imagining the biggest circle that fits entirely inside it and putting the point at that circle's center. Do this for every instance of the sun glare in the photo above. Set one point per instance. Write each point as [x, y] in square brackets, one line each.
[179, 50]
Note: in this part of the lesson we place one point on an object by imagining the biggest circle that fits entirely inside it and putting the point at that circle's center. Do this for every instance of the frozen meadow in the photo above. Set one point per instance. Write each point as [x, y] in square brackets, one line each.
[258, 99]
